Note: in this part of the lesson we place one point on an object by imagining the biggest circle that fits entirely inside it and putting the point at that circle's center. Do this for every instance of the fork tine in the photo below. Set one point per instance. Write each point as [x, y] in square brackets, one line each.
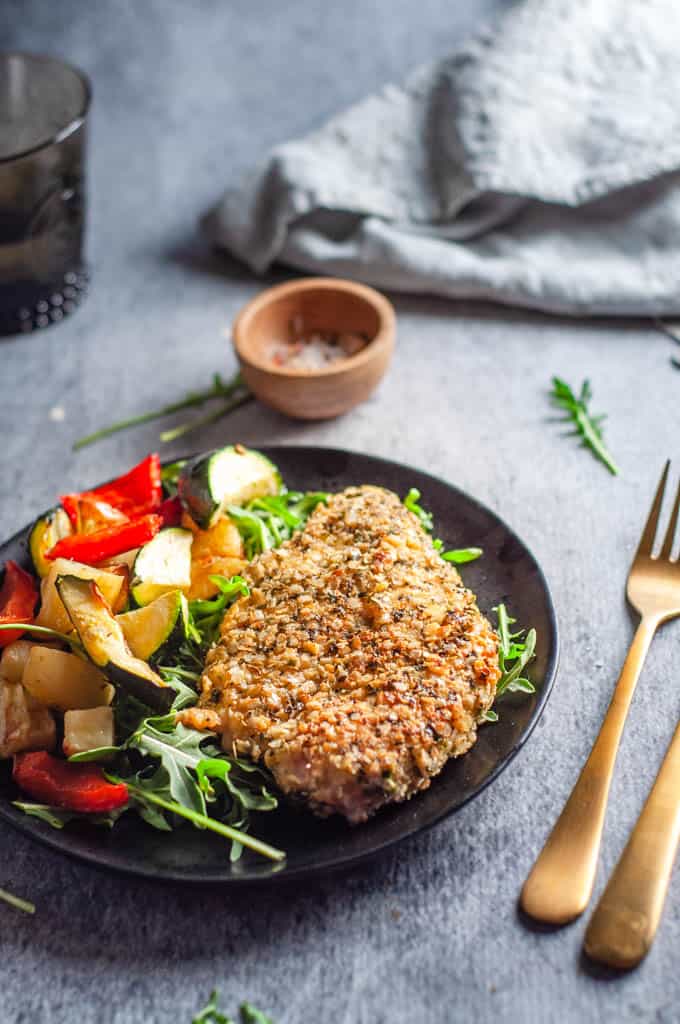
[649, 533]
[670, 532]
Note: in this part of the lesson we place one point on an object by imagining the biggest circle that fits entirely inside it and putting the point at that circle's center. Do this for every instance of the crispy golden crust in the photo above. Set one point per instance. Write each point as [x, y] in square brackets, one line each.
[358, 665]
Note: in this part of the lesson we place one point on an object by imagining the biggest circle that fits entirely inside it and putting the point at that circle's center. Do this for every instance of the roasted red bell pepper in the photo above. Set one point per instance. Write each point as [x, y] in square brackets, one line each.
[75, 787]
[89, 513]
[136, 493]
[171, 512]
[92, 548]
[18, 598]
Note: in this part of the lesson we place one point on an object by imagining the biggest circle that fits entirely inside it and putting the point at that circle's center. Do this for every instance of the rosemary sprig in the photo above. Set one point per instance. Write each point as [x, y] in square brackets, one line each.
[234, 390]
[586, 426]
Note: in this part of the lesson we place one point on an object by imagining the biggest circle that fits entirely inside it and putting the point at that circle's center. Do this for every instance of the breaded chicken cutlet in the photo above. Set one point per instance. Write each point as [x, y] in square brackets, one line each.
[358, 665]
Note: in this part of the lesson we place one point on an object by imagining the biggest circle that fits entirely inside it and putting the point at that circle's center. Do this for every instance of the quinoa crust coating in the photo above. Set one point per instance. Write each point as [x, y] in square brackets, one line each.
[358, 665]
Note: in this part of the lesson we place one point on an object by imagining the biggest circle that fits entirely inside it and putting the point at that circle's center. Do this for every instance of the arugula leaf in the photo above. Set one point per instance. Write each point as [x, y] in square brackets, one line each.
[514, 655]
[249, 1015]
[586, 426]
[457, 555]
[461, 555]
[206, 615]
[211, 1014]
[168, 767]
[57, 817]
[154, 792]
[412, 503]
[17, 902]
[178, 751]
[266, 522]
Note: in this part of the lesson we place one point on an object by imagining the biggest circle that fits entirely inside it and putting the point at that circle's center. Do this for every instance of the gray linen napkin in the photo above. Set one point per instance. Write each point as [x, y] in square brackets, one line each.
[538, 166]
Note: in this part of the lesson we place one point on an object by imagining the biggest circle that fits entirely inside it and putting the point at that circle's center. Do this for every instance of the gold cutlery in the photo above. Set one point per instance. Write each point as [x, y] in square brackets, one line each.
[625, 920]
[561, 882]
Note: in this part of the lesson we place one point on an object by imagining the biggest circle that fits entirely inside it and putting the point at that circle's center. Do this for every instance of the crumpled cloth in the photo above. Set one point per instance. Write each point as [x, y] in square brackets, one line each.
[539, 166]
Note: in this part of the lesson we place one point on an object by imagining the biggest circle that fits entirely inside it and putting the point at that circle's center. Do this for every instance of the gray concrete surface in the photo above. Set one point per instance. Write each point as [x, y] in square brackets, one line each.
[186, 95]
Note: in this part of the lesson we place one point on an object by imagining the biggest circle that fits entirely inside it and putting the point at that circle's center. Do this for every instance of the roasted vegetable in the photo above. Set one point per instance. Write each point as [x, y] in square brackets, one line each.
[13, 660]
[64, 681]
[45, 533]
[92, 548]
[75, 787]
[24, 724]
[229, 476]
[162, 565]
[87, 513]
[134, 494]
[88, 730]
[112, 583]
[217, 551]
[104, 641]
[158, 629]
[18, 598]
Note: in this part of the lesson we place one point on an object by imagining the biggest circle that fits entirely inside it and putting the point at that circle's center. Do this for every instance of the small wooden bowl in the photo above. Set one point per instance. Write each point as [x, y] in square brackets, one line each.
[319, 304]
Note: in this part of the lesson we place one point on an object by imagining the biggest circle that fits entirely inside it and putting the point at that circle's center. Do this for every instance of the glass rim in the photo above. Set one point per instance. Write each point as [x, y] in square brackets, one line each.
[73, 123]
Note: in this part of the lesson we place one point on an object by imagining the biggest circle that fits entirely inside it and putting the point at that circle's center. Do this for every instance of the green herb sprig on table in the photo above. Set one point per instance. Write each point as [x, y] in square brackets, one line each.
[233, 393]
[586, 426]
[211, 1014]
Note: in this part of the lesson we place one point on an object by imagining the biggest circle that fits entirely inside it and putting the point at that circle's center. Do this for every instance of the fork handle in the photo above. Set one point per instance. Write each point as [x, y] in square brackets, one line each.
[561, 881]
[624, 924]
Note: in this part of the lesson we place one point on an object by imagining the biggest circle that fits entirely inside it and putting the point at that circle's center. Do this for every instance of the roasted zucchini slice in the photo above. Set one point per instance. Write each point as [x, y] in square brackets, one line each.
[229, 476]
[162, 565]
[45, 533]
[159, 628]
[104, 641]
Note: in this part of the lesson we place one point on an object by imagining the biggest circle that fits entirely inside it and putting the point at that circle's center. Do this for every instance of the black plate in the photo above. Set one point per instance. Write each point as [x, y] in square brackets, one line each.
[507, 572]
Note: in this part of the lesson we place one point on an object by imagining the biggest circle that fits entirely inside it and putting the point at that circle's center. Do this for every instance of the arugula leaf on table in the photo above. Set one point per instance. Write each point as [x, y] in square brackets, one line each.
[586, 426]
[459, 556]
[249, 1015]
[211, 1014]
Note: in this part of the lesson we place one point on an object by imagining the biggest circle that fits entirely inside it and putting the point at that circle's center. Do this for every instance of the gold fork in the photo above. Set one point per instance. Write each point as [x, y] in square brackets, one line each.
[561, 882]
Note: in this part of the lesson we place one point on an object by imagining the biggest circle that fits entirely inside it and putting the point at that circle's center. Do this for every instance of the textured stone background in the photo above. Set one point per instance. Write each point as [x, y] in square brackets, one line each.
[186, 94]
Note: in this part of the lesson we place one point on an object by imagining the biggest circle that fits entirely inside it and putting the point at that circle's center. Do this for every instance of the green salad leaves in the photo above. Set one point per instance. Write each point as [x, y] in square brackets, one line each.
[266, 522]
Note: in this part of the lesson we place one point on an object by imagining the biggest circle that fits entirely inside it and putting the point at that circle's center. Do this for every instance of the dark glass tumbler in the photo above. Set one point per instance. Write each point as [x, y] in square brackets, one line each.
[43, 111]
